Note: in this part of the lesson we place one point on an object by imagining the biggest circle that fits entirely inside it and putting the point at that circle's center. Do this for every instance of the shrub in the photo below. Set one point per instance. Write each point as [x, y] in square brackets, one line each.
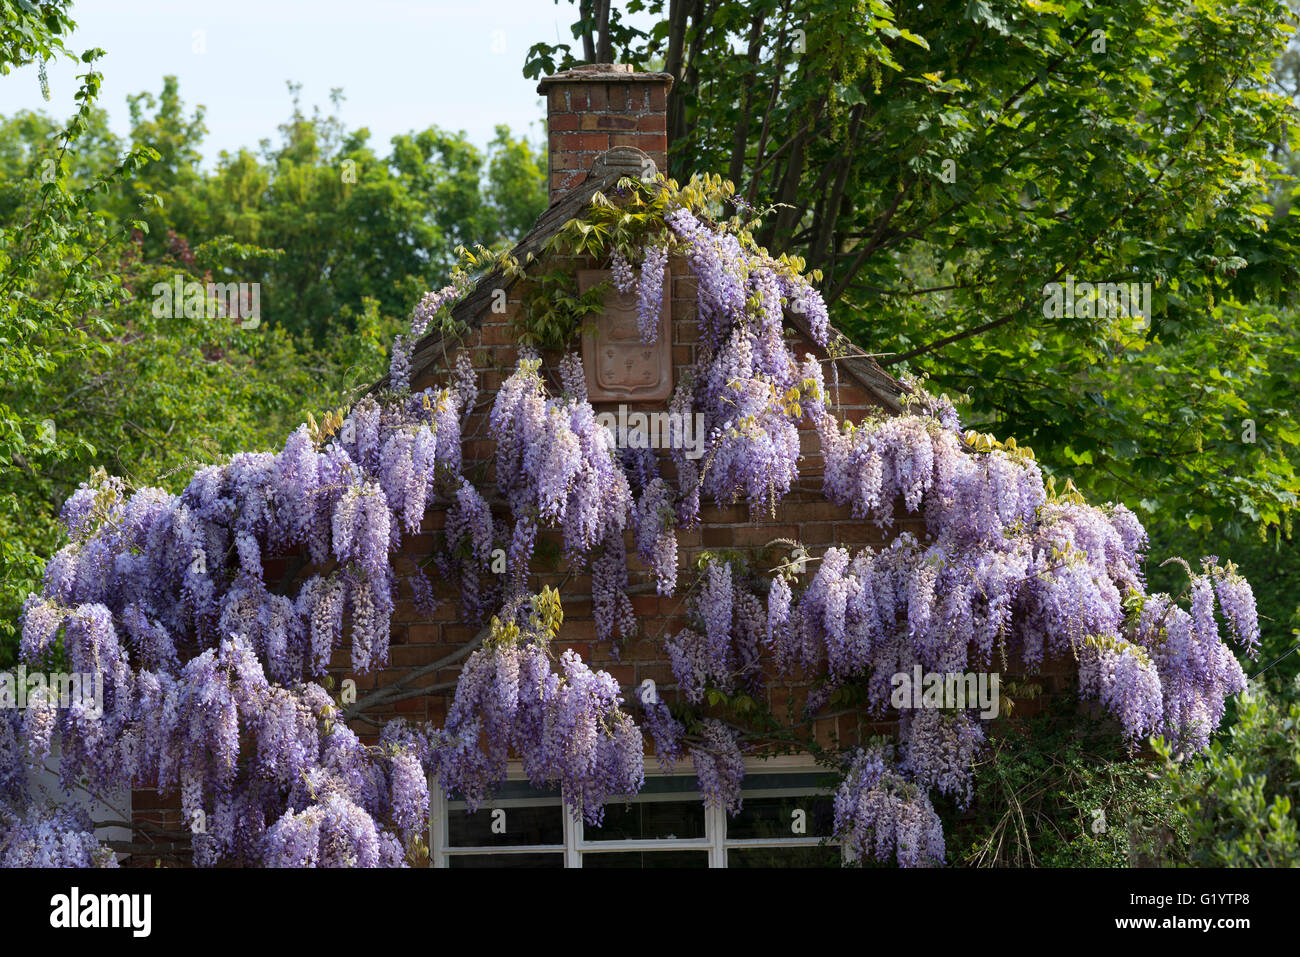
[1238, 796]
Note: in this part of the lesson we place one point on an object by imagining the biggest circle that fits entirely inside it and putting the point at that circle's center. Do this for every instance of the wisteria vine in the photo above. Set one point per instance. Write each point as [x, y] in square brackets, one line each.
[215, 681]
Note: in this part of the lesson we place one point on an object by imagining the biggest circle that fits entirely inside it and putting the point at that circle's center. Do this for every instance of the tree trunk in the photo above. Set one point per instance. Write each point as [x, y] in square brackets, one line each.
[588, 41]
[603, 52]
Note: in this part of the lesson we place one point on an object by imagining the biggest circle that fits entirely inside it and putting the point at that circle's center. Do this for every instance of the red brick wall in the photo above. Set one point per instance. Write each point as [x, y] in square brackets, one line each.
[593, 109]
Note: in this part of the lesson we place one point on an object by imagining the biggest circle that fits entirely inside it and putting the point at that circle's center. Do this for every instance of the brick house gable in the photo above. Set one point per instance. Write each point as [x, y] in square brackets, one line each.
[427, 651]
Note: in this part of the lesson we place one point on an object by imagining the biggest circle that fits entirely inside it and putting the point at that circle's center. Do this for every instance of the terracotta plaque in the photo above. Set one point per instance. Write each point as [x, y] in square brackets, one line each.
[619, 366]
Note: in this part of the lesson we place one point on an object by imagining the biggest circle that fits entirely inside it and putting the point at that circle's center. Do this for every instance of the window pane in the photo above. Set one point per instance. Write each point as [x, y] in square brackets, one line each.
[514, 789]
[772, 817]
[499, 827]
[804, 856]
[649, 821]
[505, 860]
[647, 859]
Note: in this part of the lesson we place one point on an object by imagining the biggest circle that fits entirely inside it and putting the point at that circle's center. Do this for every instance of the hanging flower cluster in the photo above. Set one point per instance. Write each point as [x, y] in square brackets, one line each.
[470, 533]
[172, 568]
[719, 765]
[32, 832]
[650, 293]
[332, 833]
[723, 652]
[938, 749]
[206, 671]
[1177, 672]
[621, 269]
[610, 606]
[558, 467]
[750, 388]
[566, 727]
[1002, 568]
[654, 517]
[555, 464]
[243, 752]
[883, 816]
[665, 731]
[430, 304]
[61, 837]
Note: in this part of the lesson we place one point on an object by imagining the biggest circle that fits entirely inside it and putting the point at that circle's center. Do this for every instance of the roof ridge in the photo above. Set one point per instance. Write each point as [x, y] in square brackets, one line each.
[610, 167]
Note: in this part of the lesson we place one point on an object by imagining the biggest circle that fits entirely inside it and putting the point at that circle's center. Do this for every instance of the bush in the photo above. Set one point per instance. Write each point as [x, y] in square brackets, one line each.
[1061, 790]
[1238, 798]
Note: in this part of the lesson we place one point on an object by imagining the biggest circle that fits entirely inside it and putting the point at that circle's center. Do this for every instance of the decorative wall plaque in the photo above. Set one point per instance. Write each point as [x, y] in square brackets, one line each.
[619, 366]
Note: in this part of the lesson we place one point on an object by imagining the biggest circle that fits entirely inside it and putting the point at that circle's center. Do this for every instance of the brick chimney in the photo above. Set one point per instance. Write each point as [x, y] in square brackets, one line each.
[595, 107]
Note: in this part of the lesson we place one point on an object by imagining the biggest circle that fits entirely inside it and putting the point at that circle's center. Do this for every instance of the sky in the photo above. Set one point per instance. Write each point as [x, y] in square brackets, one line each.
[403, 64]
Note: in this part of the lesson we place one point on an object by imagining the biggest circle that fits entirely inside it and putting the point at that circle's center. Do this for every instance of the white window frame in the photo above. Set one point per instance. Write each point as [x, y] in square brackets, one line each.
[715, 841]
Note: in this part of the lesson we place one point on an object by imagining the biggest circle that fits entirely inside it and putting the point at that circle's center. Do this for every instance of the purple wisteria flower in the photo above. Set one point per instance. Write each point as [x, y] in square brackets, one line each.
[883, 816]
[650, 292]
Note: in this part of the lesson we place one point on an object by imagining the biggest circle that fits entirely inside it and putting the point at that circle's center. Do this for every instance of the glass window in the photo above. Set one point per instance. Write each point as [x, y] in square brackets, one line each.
[786, 821]
[510, 826]
[806, 815]
[505, 860]
[796, 856]
[650, 821]
[647, 859]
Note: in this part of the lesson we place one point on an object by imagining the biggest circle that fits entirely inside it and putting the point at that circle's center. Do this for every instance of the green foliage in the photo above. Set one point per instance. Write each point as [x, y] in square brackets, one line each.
[544, 621]
[33, 31]
[332, 221]
[1198, 434]
[554, 310]
[57, 279]
[1058, 790]
[1240, 798]
[153, 398]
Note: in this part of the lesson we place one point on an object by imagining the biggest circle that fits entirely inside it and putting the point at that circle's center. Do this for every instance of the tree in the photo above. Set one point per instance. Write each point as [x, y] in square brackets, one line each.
[948, 165]
[54, 281]
[345, 223]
